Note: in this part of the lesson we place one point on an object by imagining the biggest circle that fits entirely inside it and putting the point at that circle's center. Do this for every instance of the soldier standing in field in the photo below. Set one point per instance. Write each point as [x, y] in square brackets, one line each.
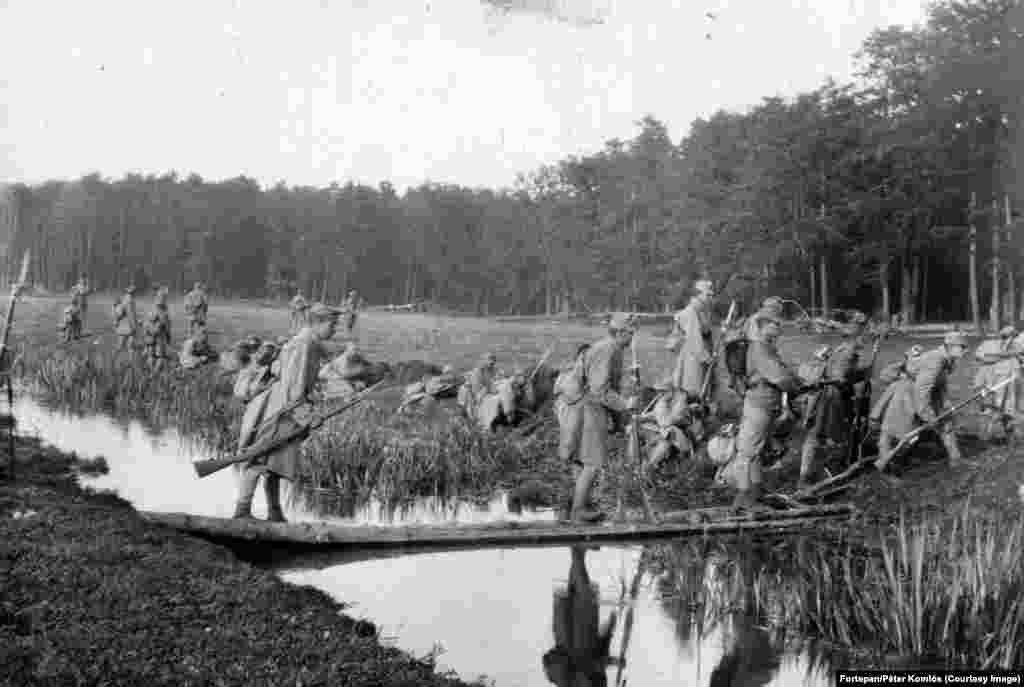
[693, 327]
[603, 400]
[126, 321]
[196, 307]
[920, 397]
[829, 413]
[300, 361]
[158, 331]
[350, 307]
[80, 301]
[768, 378]
[300, 308]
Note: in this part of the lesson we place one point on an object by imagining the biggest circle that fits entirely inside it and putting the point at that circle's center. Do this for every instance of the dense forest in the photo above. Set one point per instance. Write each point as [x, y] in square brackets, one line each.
[895, 193]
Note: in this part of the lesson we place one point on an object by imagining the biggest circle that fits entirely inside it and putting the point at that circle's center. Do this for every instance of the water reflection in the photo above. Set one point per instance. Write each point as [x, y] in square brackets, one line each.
[684, 612]
[151, 466]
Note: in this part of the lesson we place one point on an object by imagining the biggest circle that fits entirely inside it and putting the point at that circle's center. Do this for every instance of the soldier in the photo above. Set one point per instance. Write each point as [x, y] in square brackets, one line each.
[80, 301]
[126, 321]
[603, 400]
[771, 306]
[197, 350]
[664, 424]
[570, 388]
[158, 332]
[767, 380]
[255, 377]
[300, 361]
[237, 358]
[351, 308]
[998, 359]
[196, 307]
[344, 375]
[693, 326]
[479, 383]
[920, 397]
[300, 308]
[830, 410]
[69, 325]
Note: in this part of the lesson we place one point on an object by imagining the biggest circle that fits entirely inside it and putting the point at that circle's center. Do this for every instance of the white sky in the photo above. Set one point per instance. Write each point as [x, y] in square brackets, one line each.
[318, 91]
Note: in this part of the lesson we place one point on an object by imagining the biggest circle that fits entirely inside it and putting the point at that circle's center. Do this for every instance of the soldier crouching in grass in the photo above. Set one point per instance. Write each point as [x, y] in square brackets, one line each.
[300, 361]
[603, 401]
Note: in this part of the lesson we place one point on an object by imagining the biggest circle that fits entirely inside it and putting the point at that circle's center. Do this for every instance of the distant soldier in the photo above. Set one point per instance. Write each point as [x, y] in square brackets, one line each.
[480, 382]
[126, 321]
[80, 300]
[299, 308]
[829, 411]
[255, 377]
[767, 380]
[70, 324]
[157, 332]
[998, 359]
[693, 327]
[197, 350]
[300, 361]
[771, 306]
[920, 397]
[236, 359]
[350, 307]
[603, 400]
[196, 307]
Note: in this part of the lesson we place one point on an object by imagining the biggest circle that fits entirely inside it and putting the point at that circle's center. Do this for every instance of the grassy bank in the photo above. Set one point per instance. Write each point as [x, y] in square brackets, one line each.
[91, 594]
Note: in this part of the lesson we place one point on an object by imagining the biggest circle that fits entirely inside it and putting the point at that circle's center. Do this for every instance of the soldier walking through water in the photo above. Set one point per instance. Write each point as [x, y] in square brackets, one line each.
[300, 361]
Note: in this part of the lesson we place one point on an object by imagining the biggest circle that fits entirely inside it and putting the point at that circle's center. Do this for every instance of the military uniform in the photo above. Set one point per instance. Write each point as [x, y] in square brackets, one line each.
[479, 383]
[158, 334]
[768, 379]
[126, 321]
[919, 397]
[694, 326]
[197, 351]
[994, 367]
[344, 376]
[196, 307]
[300, 308]
[570, 388]
[300, 362]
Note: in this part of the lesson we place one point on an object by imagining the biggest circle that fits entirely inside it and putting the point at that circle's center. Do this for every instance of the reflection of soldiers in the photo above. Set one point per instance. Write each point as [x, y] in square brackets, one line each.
[920, 397]
[749, 658]
[581, 652]
[693, 326]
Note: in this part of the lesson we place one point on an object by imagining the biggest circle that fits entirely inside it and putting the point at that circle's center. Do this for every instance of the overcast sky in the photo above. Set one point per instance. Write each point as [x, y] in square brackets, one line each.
[367, 90]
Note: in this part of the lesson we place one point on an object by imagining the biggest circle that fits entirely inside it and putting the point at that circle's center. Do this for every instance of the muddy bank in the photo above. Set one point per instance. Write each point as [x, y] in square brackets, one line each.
[92, 594]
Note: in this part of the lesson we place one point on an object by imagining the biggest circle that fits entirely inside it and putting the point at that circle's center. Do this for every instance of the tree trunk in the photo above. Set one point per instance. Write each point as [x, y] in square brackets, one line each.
[883, 276]
[924, 288]
[823, 269]
[814, 288]
[995, 307]
[1011, 272]
[973, 249]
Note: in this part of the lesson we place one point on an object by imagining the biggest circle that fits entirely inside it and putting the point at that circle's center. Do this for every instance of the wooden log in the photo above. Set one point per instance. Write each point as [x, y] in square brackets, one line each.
[505, 533]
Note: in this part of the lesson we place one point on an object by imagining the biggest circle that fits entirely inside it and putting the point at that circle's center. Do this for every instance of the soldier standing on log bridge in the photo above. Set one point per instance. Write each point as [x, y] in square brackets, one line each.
[829, 413]
[920, 397]
[603, 400]
[196, 307]
[300, 361]
[768, 378]
[693, 327]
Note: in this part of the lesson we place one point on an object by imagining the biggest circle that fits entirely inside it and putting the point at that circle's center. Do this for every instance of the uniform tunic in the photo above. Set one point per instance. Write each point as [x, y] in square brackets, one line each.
[989, 373]
[920, 394]
[570, 387]
[603, 370]
[251, 380]
[158, 333]
[343, 376]
[479, 383]
[694, 325]
[125, 317]
[195, 354]
[301, 359]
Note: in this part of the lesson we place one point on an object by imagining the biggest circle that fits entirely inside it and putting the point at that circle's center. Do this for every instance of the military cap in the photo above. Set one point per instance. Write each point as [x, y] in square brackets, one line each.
[955, 339]
[1007, 331]
[323, 313]
[704, 286]
[621, 321]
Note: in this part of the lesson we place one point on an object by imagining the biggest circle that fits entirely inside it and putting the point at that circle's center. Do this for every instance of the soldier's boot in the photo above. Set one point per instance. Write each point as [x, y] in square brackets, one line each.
[582, 507]
[272, 488]
[246, 489]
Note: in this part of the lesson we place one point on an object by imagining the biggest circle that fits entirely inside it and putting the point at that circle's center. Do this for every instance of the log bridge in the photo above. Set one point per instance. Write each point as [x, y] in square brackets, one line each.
[697, 522]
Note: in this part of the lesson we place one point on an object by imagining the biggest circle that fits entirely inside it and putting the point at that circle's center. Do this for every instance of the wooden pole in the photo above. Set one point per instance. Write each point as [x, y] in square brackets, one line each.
[973, 263]
[1011, 272]
[995, 307]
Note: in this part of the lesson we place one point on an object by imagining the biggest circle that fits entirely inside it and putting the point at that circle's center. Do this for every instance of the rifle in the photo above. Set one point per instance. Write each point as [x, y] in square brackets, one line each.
[633, 456]
[912, 436]
[706, 386]
[208, 467]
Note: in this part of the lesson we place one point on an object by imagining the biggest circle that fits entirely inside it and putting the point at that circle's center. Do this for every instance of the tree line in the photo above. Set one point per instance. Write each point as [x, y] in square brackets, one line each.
[897, 192]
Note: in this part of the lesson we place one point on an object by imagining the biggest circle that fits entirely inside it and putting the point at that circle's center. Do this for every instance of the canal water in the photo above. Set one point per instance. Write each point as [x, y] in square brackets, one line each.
[665, 613]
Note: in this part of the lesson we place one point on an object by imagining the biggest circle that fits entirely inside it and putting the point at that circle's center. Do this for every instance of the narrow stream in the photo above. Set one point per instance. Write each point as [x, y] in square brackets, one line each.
[493, 612]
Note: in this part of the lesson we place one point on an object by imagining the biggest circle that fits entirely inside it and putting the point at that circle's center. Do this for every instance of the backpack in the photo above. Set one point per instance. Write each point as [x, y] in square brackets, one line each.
[734, 354]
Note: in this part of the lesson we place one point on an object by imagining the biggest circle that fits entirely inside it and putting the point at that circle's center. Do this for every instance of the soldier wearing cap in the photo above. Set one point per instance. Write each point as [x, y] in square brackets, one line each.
[197, 351]
[920, 398]
[772, 307]
[196, 307]
[831, 410]
[300, 361]
[768, 378]
[255, 377]
[603, 400]
[693, 327]
[997, 358]
[158, 332]
[479, 383]
[126, 320]
[300, 308]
